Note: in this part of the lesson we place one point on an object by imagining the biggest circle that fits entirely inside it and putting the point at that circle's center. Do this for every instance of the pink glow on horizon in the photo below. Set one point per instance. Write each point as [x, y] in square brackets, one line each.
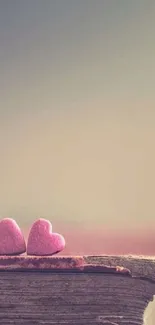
[98, 242]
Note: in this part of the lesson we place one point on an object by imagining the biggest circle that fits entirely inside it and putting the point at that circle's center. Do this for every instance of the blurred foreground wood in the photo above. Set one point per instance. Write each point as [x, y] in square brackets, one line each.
[109, 290]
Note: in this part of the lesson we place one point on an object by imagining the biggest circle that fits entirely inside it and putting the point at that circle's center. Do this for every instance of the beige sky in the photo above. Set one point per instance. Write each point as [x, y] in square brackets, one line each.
[77, 113]
[93, 168]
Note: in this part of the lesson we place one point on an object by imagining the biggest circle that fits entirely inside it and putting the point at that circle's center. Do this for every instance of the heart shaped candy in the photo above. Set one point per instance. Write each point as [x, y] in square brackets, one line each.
[11, 238]
[41, 240]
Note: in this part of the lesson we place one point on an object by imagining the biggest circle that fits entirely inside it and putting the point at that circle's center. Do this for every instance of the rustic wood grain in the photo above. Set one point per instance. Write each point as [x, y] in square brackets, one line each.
[141, 266]
[109, 290]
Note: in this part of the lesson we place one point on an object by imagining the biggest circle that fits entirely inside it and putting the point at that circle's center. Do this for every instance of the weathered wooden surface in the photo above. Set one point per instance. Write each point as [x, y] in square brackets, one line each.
[58, 264]
[141, 266]
[88, 292]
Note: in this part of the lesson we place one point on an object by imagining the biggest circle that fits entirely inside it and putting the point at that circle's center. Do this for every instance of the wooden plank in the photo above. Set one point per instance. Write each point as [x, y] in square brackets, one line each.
[75, 290]
[141, 266]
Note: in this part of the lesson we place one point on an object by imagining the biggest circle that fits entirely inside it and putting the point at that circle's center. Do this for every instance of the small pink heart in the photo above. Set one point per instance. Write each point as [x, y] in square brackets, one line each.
[41, 240]
[11, 238]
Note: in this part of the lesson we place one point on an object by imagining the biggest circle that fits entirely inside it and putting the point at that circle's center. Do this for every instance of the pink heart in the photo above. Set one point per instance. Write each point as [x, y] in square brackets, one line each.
[41, 240]
[11, 238]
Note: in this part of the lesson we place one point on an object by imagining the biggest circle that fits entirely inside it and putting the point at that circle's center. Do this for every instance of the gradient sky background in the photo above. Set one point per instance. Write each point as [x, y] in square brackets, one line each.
[77, 117]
